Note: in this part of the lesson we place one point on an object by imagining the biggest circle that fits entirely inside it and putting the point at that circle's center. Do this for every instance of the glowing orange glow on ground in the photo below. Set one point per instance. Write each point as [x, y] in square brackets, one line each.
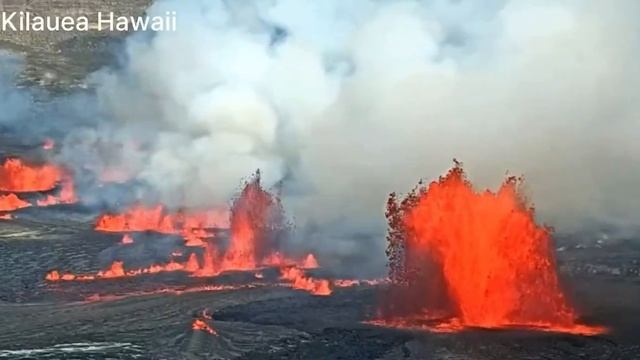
[251, 215]
[477, 259]
[201, 325]
[299, 280]
[66, 195]
[126, 239]
[157, 218]
[256, 219]
[18, 176]
[210, 264]
[11, 202]
[169, 291]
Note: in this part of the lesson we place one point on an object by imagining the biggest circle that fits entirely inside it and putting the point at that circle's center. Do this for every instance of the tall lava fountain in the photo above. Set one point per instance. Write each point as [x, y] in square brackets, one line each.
[463, 258]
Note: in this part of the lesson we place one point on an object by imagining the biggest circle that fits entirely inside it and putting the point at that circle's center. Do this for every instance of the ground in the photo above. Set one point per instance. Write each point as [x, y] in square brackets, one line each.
[150, 317]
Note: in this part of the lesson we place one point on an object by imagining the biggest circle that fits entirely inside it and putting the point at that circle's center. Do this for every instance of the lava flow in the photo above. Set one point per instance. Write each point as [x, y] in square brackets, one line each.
[299, 280]
[66, 194]
[18, 176]
[460, 258]
[257, 223]
[201, 325]
[159, 219]
[11, 202]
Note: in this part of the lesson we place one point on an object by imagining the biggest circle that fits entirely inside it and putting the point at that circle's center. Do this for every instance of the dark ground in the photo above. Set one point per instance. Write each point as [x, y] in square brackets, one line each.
[52, 321]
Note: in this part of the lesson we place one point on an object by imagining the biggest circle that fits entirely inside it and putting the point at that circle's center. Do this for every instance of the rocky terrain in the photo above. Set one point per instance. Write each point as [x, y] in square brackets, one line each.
[150, 317]
[61, 60]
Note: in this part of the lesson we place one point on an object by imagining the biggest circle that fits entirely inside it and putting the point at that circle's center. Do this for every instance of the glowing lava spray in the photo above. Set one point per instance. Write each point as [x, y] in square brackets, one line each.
[462, 258]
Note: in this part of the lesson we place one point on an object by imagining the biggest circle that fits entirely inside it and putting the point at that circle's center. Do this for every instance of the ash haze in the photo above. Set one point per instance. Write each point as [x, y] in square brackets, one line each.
[341, 102]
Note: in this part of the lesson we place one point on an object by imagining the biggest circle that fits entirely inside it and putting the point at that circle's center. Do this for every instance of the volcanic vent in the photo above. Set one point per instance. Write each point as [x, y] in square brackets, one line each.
[256, 226]
[462, 258]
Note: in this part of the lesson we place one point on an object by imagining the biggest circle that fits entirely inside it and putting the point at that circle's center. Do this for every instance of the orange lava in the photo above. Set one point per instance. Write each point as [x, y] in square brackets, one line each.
[257, 223]
[53, 275]
[6, 216]
[201, 325]
[210, 264]
[299, 280]
[477, 259]
[11, 202]
[253, 214]
[169, 291]
[157, 218]
[18, 176]
[126, 239]
[117, 270]
[310, 262]
[66, 195]
[278, 259]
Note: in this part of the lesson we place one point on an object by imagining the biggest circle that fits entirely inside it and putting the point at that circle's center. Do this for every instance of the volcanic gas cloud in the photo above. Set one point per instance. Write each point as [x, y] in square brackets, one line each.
[461, 258]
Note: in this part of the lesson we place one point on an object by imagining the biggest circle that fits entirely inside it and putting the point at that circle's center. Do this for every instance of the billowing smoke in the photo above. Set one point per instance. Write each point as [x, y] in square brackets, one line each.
[341, 102]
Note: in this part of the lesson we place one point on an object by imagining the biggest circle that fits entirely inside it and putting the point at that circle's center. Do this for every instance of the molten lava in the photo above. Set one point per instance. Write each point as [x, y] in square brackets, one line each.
[18, 176]
[473, 259]
[256, 220]
[11, 202]
[257, 223]
[157, 218]
[66, 195]
[126, 239]
[299, 280]
[201, 325]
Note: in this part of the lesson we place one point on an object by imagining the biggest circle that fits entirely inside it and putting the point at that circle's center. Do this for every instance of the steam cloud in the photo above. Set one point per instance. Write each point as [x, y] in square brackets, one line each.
[341, 102]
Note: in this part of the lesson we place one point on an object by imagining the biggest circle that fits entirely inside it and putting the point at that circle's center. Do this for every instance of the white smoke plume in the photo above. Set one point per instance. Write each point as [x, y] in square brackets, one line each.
[342, 102]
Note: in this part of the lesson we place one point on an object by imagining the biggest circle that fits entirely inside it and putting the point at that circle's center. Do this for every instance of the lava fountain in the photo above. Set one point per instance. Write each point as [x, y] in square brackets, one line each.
[19, 176]
[11, 202]
[257, 220]
[461, 258]
[257, 224]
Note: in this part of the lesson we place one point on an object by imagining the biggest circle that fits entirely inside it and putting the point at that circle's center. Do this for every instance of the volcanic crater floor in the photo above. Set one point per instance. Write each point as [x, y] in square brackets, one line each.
[150, 317]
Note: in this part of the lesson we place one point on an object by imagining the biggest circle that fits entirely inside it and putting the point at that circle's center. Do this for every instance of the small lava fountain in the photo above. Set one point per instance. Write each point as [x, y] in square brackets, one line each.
[461, 258]
[19, 176]
[256, 223]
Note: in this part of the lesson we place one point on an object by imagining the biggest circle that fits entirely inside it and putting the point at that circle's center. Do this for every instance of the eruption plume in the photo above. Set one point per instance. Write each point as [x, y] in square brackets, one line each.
[472, 258]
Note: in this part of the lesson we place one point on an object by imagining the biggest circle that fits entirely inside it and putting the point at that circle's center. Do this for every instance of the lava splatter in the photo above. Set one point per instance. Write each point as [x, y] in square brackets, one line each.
[461, 258]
